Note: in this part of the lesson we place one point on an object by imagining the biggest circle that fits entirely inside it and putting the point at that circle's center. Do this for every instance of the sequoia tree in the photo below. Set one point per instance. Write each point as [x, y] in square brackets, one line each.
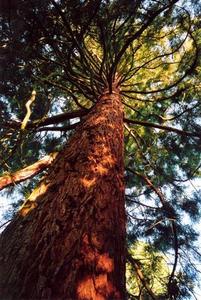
[86, 70]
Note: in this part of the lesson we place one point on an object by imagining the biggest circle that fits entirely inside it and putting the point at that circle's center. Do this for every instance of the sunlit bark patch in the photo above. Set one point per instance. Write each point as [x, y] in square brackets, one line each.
[107, 161]
[100, 266]
[30, 203]
[105, 263]
[88, 182]
[91, 255]
[27, 208]
[99, 120]
[100, 169]
[96, 288]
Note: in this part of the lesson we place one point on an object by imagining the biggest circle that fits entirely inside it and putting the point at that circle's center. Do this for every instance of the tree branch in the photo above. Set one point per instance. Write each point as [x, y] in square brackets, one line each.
[28, 172]
[48, 120]
[167, 128]
[136, 35]
[140, 275]
[172, 219]
[59, 128]
[60, 118]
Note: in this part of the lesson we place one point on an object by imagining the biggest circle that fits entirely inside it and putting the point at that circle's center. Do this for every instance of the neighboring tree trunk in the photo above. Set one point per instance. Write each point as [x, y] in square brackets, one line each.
[68, 239]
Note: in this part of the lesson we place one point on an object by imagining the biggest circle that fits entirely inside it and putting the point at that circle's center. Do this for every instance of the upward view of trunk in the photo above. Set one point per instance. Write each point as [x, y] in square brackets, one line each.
[68, 239]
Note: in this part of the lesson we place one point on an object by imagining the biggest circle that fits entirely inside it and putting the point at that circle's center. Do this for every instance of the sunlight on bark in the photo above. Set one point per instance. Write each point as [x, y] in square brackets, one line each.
[87, 182]
[99, 120]
[96, 288]
[91, 255]
[30, 203]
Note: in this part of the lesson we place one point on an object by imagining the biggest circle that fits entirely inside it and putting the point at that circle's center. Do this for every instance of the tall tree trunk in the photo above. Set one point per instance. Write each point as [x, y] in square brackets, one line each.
[68, 239]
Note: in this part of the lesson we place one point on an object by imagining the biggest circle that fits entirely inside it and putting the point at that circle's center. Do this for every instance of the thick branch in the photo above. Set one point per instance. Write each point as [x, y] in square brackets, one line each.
[49, 120]
[26, 173]
[60, 118]
[155, 99]
[59, 128]
[167, 128]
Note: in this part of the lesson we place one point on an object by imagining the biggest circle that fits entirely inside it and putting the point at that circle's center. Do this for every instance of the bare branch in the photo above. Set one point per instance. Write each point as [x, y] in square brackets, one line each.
[28, 172]
[162, 127]
[59, 128]
[48, 120]
[28, 107]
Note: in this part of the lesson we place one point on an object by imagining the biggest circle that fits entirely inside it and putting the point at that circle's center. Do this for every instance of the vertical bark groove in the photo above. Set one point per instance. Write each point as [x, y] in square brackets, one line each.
[68, 239]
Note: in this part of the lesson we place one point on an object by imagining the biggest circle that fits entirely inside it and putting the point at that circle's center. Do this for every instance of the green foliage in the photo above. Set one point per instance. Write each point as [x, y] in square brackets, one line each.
[153, 267]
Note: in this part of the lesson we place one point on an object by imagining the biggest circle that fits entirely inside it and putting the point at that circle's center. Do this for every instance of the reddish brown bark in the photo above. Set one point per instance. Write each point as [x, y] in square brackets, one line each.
[68, 240]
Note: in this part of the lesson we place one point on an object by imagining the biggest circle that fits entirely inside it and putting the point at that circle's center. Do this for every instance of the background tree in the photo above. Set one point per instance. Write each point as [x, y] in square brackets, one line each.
[147, 272]
[59, 57]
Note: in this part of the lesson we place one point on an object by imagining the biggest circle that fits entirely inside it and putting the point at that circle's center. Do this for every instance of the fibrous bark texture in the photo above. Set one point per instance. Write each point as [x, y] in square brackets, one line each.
[68, 239]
